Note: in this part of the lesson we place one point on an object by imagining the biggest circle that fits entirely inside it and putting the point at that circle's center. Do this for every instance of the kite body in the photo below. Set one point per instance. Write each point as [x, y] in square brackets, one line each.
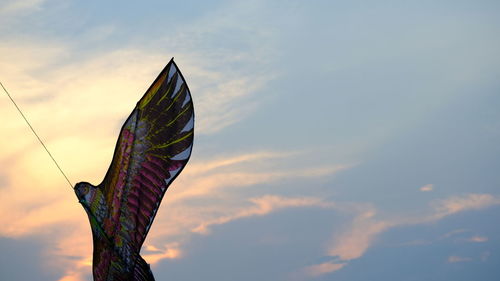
[153, 147]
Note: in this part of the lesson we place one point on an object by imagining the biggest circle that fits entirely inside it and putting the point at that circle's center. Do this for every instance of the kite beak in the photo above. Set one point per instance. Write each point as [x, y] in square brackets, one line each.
[78, 192]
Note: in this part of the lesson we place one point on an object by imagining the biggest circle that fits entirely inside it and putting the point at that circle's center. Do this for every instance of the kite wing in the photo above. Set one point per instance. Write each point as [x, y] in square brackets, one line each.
[153, 147]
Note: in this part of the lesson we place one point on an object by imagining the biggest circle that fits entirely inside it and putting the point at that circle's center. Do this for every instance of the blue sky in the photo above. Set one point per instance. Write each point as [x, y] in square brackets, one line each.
[335, 140]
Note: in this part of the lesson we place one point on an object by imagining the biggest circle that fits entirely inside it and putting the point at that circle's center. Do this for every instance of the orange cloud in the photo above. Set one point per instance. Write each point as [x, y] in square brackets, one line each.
[73, 276]
[353, 243]
[153, 254]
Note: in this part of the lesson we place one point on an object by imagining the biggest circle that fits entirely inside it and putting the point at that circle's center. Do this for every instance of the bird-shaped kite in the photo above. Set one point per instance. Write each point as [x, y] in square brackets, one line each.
[153, 147]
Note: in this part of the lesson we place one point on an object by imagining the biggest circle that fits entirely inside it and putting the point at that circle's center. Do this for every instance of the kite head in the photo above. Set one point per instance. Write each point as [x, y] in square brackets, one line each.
[84, 191]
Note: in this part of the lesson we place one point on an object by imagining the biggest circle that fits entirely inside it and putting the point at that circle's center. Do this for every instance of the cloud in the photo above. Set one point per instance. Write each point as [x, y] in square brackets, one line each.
[362, 232]
[217, 108]
[187, 212]
[323, 268]
[454, 232]
[203, 167]
[472, 239]
[68, 102]
[455, 259]
[217, 180]
[74, 276]
[153, 254]
[15, 6]
[224, 173]
[427, 188]
[354, 242]
[477, 239]
[263, 206]
[210, 183]
[458, 204]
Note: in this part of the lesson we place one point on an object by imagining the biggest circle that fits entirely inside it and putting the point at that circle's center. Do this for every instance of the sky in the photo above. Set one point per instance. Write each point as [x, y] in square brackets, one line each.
[334, 140]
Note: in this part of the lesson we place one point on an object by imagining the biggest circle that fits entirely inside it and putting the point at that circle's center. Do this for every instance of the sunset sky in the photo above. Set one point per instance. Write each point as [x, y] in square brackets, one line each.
[334, 140]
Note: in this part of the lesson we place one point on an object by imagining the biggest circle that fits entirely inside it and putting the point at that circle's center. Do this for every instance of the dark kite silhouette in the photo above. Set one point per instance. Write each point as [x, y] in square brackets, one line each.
[153, 147]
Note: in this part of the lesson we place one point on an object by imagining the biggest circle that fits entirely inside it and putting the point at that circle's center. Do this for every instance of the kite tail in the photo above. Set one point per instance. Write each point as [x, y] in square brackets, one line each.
[142, 271]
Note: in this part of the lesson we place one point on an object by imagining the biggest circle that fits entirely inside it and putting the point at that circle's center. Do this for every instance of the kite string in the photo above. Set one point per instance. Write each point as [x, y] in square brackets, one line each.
[33, 130]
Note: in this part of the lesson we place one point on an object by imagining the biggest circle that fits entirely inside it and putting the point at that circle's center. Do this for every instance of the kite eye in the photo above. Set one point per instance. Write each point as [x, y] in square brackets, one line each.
[82, 190]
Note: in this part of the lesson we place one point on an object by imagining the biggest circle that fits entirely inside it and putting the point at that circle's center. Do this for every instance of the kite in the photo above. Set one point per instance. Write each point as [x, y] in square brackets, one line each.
[153, 147]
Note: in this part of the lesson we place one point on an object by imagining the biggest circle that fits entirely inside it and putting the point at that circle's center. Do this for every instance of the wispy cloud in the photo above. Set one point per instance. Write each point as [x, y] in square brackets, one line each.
[323, 268]
[454, 232]
[217, 109]
[354, 242]
[118, 75]
[208, 184]
[263, 206]
[467, 202]
[13, 6]
[455, 259]
[477, 239]
[361, 234]
[203, 167]
[427, 188]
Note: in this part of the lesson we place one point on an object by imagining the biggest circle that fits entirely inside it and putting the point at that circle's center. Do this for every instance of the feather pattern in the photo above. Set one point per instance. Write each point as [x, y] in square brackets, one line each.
[154, 145]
